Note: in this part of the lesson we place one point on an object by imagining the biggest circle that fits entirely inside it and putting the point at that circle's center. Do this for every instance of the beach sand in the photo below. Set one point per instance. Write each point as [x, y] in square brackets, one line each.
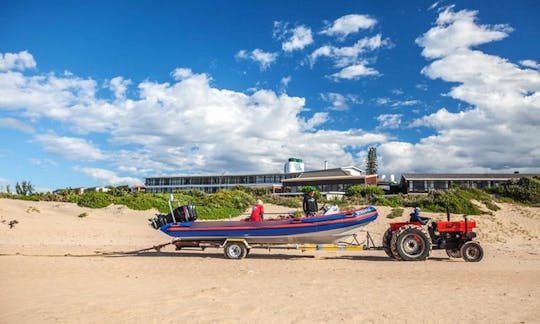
[49, 272]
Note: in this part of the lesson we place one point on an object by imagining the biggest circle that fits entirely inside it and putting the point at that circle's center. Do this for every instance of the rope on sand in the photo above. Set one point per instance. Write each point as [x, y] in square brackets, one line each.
[157, 248]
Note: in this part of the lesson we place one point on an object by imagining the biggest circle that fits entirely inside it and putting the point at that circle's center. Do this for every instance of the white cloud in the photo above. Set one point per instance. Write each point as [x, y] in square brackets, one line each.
[107, 177]
[285, 81]
[347, 55]
[16, 124]
[383, 101]
[186, 126]
[183, 73]
[264, 59]
[457, 31]
[433, 6]
[498, 131]
[45, 95]
[17, 61]
[300, 38]
[530, 63]
[43, 162]
[421, 86]
[119, 86]
[354, 72]
[389, 121]
[318, 118]
[338, 101]
[71, 148]
[349, 24]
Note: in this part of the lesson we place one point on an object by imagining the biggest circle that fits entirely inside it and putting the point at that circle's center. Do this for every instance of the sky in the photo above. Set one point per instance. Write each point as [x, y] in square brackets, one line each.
[97, 93]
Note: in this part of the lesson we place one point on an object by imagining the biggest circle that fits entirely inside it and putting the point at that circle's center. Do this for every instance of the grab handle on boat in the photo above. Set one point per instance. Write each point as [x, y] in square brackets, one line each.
[171, 199]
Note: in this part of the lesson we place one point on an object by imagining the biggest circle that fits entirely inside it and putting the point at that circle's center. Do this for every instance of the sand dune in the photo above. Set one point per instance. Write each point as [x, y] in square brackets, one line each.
[40, 284]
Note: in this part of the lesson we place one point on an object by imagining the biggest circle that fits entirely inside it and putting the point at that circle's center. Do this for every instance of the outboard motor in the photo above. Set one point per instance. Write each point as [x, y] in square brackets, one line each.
[182, 214]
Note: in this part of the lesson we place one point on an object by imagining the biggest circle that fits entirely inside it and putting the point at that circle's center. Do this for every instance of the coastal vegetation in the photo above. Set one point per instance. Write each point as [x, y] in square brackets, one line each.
[232, 203]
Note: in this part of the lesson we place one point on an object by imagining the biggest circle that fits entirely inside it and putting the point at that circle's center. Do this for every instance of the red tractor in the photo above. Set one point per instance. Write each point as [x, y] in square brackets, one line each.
[409, 241]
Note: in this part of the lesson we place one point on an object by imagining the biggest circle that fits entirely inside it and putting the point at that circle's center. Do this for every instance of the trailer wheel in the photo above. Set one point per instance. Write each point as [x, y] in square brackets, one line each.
[386, 240]
[410, 243]
[472, 252]
[235, 250]
[453, 253]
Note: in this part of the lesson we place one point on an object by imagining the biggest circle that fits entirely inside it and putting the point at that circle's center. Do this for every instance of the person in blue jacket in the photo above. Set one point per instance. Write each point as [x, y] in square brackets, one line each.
[415, 217]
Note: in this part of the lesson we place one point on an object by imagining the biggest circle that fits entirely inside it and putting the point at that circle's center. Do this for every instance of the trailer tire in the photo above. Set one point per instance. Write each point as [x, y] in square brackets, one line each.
[453, 253]
[472, 251]
[235, 250]
[386, 240]
[410, 243]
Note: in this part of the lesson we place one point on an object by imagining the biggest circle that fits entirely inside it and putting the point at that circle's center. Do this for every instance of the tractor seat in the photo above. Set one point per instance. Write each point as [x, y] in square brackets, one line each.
[434, 226]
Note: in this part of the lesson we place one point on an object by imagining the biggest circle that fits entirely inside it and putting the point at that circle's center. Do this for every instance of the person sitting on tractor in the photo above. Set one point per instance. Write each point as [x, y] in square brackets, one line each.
[415, 217]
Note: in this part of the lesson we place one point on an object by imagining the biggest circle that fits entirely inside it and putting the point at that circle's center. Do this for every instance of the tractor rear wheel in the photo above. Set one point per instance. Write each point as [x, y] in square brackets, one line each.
[453, 253]
[387, 238]
[410, 243]
[472, 252]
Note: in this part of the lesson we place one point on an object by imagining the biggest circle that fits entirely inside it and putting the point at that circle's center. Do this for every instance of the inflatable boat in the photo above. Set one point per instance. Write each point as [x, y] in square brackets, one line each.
[182, 223]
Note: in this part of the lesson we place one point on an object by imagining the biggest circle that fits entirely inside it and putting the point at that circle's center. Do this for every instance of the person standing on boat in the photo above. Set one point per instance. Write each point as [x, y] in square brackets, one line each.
[310, 203]
[257, 212]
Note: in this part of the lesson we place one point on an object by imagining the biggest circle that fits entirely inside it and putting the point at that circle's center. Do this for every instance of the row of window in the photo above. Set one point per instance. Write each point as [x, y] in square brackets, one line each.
[428, 185]
[215, 180]
[205, 189]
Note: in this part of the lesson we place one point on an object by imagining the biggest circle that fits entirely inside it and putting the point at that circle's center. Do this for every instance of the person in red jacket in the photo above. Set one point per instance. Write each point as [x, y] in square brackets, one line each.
[257, 212]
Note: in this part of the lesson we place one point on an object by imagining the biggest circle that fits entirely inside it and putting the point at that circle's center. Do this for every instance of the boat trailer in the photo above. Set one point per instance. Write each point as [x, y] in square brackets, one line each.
[239, 248]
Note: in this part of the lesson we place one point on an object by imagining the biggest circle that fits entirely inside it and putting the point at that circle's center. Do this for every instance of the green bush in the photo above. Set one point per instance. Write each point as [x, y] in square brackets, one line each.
[140, 201]
[524, 190]
[395, 201]
[292, 202]
[396, 212]
[32, 197]
[95, 199]
[372, 191]
[354, 191]
[366, 192]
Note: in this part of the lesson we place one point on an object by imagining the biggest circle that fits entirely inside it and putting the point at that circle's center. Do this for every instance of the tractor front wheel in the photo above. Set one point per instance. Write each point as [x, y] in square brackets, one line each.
[472, 252]
[410, 243]
[386, 240]
[453, 253]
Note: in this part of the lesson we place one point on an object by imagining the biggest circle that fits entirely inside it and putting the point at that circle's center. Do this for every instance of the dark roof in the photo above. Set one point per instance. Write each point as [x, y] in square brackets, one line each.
[323, 173]
[464, 176]
[329, 176]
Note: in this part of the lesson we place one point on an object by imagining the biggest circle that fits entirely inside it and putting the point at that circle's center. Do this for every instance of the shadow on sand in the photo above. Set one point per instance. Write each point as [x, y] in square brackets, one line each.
[260, 255]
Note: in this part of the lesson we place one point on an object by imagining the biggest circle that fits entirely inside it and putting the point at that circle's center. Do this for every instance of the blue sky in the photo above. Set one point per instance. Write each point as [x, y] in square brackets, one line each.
[100, 92]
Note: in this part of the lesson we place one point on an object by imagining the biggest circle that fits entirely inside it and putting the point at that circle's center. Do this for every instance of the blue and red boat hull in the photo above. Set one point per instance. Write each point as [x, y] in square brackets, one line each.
[319, 229]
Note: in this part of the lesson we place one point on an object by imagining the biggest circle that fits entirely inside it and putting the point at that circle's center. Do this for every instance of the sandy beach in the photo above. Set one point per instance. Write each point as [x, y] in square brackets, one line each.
[50, 273]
